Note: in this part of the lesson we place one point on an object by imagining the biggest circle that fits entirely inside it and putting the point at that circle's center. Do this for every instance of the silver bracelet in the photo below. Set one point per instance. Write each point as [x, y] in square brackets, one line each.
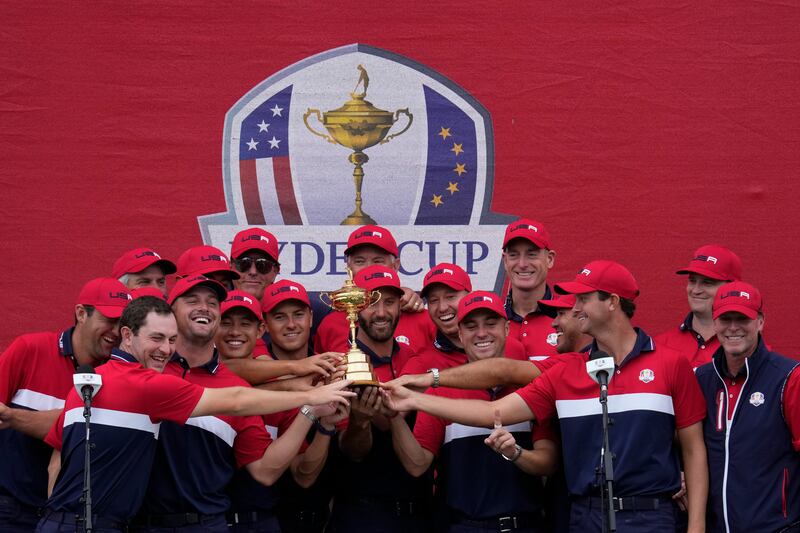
[517, 453]
[306, 411]
[435, 373]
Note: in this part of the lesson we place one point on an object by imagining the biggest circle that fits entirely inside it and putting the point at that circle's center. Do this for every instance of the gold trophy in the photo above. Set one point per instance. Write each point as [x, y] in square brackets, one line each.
[357, 125]
[351, 299]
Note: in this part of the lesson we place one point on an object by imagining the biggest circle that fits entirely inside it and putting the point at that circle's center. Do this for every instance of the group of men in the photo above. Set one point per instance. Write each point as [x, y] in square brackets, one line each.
[224, 403]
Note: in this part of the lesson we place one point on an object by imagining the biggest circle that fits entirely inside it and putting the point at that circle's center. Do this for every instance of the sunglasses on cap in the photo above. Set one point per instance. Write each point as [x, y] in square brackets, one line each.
[263, 265]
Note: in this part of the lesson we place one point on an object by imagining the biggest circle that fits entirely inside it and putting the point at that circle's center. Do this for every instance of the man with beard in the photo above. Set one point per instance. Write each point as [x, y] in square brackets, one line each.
[35, 377]
[375, 245]
[373, 492]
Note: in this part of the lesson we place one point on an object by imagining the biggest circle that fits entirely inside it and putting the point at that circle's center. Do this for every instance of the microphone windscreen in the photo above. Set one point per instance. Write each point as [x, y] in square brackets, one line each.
[599, 354]
[85, 369]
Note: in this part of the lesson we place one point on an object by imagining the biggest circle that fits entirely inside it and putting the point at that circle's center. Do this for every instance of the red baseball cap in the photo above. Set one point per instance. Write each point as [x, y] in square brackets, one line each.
[254, 239]
[107, 295]
[374, 235]
[241, 299]
[529, 230]
[560, 301]
[205, 260]
[480, 300]
[147, 291]
[184, 285]
[602, 275]
[283, 290]
[715, 262]
[377, 276]
[737, 297]
[449, 274]
[138, 259]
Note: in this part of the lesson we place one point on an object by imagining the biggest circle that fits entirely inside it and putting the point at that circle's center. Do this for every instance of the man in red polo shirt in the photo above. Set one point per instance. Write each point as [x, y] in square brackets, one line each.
[373, 491]
[711, 267]
[652, 395]
[527, 259]
[443, 288]
[375, 245]
[482, 492]
[35, 376]
[143, 267]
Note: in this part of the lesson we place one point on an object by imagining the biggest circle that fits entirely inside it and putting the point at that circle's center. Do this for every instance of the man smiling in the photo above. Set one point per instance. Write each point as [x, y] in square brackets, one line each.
[752, 428]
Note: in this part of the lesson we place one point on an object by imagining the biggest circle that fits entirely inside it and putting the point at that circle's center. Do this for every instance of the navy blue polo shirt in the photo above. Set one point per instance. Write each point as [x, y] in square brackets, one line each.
[36, 374]
[195, 462]
[381, 474]
[652, 393]
[475, 480]
[126, 413]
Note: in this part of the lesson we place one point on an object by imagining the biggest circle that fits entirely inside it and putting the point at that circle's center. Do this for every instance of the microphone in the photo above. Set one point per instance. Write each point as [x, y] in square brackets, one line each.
[600, 368]
[87, 382]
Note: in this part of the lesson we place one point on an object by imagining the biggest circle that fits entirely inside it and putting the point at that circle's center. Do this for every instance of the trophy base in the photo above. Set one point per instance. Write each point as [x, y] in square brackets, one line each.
[359, 369]
[355, 219]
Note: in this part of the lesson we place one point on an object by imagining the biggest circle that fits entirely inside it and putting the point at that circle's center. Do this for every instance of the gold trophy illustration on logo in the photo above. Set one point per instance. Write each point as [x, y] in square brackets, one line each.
[351, 299]
[358, 125]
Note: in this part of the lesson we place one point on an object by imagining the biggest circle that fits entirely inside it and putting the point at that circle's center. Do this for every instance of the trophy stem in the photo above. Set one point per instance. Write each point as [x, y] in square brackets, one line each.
[358, 217]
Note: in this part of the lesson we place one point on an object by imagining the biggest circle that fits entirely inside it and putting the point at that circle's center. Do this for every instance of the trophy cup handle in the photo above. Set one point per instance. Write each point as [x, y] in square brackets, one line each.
[374, 297]
[397, 116]
[316, 112]
[329, 303]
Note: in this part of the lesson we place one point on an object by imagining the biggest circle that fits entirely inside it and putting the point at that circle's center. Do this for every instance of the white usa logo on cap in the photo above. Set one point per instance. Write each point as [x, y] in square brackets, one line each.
[756, 399]
[586, 271]
[293, 288]
[448, 271]
[646, 375]
[248, 300]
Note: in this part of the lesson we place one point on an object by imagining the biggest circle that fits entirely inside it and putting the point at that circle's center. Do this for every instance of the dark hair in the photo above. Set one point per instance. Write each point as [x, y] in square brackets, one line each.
[89, 312]
[136, 312]
[627, 306]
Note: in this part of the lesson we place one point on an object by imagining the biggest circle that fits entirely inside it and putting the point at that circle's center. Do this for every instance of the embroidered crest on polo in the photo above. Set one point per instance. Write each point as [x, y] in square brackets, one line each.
[293, 144]
[756, 399]
[646, 375]
[552, 339]
[403, 340]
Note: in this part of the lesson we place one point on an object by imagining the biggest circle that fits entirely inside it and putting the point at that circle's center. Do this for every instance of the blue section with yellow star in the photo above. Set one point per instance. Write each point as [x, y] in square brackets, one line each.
[449, 189]
[265, 131]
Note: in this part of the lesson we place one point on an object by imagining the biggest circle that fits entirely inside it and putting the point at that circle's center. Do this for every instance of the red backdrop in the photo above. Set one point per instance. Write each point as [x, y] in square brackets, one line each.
[636, 132]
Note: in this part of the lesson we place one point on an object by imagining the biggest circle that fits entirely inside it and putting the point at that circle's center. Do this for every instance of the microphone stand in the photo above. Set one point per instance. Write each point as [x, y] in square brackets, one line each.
[607, 466]
[87, 476]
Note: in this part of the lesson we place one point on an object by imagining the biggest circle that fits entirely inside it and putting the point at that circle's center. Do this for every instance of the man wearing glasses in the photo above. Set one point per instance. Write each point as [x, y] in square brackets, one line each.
[254, 254]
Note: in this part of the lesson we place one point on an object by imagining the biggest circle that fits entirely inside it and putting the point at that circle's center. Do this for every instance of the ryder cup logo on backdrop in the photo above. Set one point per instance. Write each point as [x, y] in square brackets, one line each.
[359, 135]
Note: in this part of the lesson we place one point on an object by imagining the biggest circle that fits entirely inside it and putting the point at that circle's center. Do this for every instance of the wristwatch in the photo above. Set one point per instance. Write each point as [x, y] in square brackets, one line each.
[517, 453]
[306, 411]
[435, 373]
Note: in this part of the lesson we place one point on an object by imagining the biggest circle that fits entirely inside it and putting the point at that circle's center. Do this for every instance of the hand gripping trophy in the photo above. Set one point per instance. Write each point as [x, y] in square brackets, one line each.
[358, 125]
[351, 299]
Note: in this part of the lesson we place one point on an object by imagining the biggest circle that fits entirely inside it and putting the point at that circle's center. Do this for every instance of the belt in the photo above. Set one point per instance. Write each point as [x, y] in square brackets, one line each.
[72, 519]
[501, 523]
[396, 507]
[10, 501]
[248, 517]
[174, 520]
[633, 503]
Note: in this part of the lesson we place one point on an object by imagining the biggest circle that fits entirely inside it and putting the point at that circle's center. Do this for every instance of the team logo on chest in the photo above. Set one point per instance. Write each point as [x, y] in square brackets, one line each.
[403, 339]
[756, 399]
[646, 375]
[552, 339]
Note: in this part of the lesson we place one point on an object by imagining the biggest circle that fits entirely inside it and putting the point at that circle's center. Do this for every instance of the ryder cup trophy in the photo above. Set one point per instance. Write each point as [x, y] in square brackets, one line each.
[351, 299]
[358, 125]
